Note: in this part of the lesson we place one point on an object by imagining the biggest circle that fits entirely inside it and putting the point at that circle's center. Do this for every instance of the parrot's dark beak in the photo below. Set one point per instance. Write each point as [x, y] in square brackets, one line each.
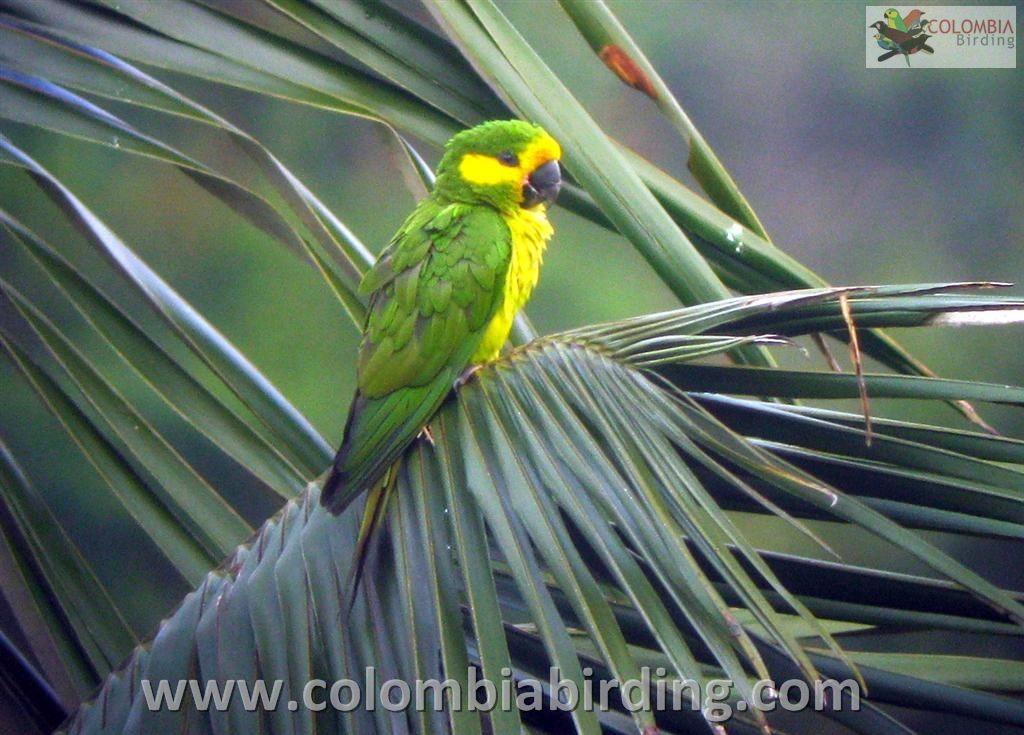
[542, 185]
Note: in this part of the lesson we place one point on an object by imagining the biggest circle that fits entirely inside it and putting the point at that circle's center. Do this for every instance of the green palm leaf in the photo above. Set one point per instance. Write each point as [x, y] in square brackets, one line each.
[541, 507]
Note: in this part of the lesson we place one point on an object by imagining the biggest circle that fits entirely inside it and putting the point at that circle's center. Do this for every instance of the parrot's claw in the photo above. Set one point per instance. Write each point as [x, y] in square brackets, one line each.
[466, 375]
[425, 434]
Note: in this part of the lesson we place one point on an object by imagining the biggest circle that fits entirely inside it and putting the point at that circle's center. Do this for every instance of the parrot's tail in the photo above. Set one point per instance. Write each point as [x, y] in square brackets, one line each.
[331, 495]
[377, 501]
[338, 490]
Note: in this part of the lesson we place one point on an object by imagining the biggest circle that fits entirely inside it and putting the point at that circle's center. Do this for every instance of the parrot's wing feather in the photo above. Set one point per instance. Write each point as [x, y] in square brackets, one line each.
[434, 290]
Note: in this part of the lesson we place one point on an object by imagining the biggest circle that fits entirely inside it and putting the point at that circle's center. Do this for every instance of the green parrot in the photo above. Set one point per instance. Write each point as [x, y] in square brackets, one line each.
[894, 19]
[443, 294]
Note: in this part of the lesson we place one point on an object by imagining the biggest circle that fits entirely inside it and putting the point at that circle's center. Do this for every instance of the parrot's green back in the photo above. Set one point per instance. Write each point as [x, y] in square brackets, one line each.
[419, 336]
[435, 291]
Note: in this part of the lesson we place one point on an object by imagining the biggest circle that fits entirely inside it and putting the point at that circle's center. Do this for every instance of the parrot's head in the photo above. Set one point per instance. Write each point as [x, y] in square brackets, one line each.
[504, 163]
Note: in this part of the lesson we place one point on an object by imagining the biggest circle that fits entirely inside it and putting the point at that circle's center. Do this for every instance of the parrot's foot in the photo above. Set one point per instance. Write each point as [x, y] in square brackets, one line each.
[466, 375]
[425, 434]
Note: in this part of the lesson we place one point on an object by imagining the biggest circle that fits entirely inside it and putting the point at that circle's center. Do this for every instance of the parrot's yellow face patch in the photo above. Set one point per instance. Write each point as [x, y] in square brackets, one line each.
[484, 170]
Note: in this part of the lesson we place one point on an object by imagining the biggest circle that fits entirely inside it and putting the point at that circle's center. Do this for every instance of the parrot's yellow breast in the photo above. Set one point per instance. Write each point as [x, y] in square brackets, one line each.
[530, 231]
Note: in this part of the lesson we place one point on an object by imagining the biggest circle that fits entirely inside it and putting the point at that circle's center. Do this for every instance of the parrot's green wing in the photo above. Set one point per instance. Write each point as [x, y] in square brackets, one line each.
[434, 291]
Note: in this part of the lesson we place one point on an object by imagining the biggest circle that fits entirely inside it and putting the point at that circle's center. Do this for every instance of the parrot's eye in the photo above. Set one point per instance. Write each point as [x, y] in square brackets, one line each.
[508, 158]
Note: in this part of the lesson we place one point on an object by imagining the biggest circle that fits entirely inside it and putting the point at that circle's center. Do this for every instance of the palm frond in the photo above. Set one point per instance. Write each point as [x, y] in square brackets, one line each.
[576, 469]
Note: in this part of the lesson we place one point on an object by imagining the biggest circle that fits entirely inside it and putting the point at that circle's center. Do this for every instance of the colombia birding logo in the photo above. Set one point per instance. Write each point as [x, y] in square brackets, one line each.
[941, 37]
[901, 36]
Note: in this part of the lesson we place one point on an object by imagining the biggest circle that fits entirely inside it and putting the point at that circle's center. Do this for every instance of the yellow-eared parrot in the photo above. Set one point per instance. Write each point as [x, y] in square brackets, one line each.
[443, 294]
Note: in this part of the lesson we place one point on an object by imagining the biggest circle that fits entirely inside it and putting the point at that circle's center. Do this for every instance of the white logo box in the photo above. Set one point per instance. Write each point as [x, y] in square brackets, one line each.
[958, 36]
